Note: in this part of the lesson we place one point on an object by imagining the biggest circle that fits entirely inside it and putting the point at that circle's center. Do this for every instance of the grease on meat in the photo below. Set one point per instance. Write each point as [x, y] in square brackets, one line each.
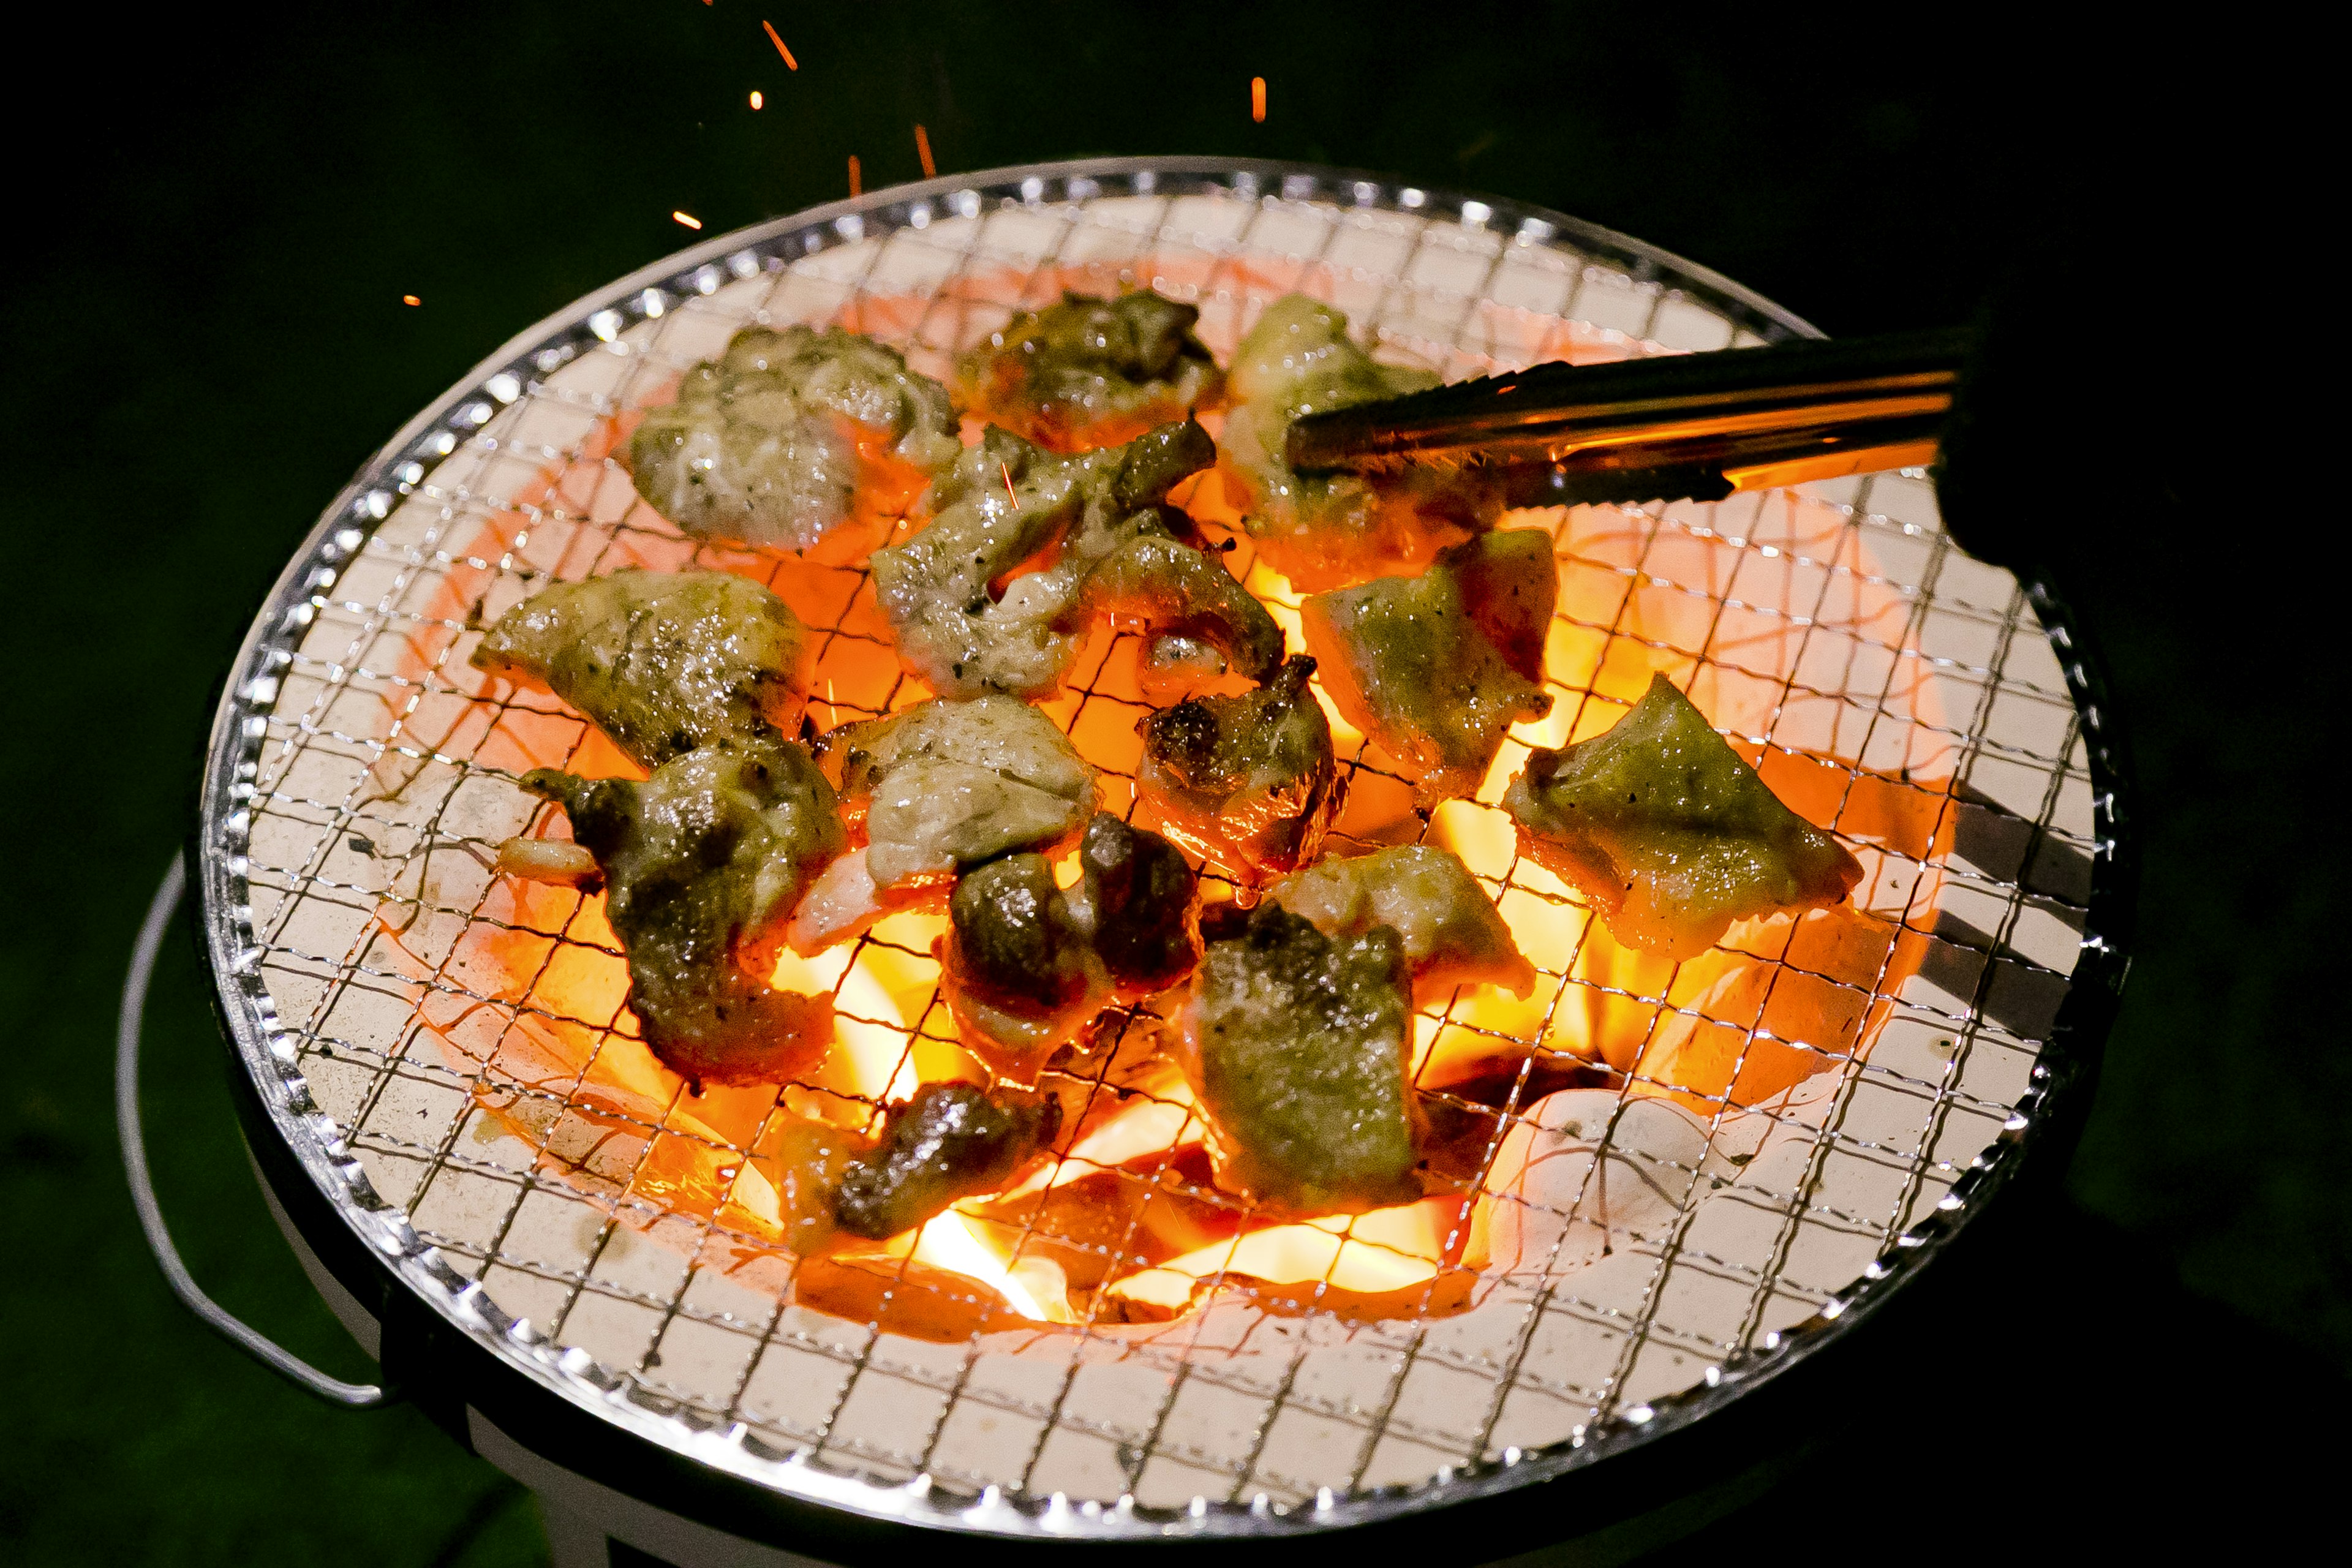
[798, 439]
[1026, 552]
[702, 862]
[663, 662]
[1326, 530]
[1670, 834]
[931, 791]
[1026, 965]
[1296, 1046]
[1452, 932]
[950, 1140]
[1435, 669]
[1090, 372]
[1249, 781]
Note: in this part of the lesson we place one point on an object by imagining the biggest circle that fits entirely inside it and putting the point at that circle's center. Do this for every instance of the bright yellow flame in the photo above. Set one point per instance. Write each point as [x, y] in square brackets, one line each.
[1389, 1249]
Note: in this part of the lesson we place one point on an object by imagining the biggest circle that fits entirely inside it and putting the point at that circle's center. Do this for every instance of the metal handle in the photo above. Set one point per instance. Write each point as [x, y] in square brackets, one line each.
[166, 902]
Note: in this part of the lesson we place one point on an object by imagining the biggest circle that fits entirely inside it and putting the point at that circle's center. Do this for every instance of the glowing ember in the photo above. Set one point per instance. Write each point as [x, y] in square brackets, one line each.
[856, 179]
[1257, 99]
[687, 219]
[756, 99]
[923, 151]
[410, 300]
[777, 39]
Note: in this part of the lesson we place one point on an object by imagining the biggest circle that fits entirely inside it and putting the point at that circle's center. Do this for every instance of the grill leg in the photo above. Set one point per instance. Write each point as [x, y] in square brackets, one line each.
[571, 1541]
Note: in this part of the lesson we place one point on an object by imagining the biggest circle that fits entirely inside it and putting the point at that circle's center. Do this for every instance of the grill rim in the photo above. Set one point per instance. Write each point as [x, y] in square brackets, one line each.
[445, 1354]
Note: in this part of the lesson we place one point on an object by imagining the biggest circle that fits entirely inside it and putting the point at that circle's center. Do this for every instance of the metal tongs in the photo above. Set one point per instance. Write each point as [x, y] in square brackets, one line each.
[1675, 427]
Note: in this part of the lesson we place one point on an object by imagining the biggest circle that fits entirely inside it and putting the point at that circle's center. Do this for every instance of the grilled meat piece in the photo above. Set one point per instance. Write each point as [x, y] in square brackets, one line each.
[1140, 903]
[1296, 1046]
[1090, 372]
[1249, 781]
[663, 662]
[1326, 530]
[970, 621]
[795, 438]
[937, 788]
[1435, 669]
[1669, 833]
[1016, 969]
[1024, 965]
[702, 862]
[950, 1140]
[1452, 932]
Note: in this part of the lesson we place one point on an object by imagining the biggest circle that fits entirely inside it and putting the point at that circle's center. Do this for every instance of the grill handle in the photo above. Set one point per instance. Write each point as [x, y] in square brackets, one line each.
[276, 1357]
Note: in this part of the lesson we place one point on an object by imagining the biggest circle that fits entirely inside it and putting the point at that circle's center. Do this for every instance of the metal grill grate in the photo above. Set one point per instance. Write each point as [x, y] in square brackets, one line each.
[414, 1019]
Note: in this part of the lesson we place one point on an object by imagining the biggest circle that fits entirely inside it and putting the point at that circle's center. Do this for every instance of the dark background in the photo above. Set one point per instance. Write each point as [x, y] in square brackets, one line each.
[218, 214]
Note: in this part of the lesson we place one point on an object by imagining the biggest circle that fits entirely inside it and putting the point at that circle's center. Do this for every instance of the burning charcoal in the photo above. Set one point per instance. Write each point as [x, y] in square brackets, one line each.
[790, 438]
[950, 1140]
[1141, 904]
[937, 788]
[1090, 373]
[1453, 935]
[969, 621]
[1018, 974]
[663, 662]
[1249, 781]
[1668, 833]
[1297, 1047]
[1326, 530]
[703, 861]
[1435, 669]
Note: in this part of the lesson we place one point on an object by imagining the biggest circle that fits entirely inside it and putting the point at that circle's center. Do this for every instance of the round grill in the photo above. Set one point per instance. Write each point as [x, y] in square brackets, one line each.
[445, 1056]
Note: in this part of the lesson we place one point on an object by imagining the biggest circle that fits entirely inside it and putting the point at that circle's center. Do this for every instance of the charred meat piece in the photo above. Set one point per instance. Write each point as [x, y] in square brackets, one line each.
[1435, 669]
[1026, 552]
[950, 1140]
[663, 662]
[1326, 530]
[1090, 372]
[933, 790]
[1018, 973]
[1669, 833]
[1452, 932]
[702, 862]
[1141, 904]
[795, 438]
[1249, 781]
[1296, 1046]
[1025, 967]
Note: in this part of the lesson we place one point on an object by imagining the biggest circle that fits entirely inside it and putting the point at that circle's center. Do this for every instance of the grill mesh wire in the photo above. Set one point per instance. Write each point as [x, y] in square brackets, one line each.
[374, 799]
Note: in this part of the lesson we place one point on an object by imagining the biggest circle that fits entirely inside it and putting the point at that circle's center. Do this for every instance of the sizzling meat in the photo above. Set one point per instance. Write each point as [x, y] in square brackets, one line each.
[1325, 531]
[1249, 781]
[1100, 545]
[788, 438]
[1090, 373]
[662, 662]
[1669, 833]
[1452, 932]
[1435, 669]
[950, 1140]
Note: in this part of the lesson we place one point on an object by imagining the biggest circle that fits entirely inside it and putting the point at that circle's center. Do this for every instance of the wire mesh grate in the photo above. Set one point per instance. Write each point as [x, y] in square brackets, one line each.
[463, 1044]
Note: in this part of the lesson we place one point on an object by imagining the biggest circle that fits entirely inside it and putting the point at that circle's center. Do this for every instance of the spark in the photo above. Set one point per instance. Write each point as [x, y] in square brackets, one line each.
[1257, 99]
[1010, 492]
[688, 219]
[756, 98]
[923, 151]
[410, 300]
[777, 38]
[856, 180]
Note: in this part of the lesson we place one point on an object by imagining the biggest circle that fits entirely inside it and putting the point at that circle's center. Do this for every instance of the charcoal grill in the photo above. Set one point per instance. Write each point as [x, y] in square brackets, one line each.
[486, 1226]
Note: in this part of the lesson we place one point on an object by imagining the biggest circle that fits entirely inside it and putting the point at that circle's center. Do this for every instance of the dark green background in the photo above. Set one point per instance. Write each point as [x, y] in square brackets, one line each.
[216, 217]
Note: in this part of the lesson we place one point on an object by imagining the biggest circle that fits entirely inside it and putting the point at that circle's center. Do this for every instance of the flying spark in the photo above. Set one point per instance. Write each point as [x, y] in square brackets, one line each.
[1257, 99]
[1006, 468]
[688, 219]
[756, 98]
[410, 300]
[923, 151]
[856, 179]
[777, 38]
